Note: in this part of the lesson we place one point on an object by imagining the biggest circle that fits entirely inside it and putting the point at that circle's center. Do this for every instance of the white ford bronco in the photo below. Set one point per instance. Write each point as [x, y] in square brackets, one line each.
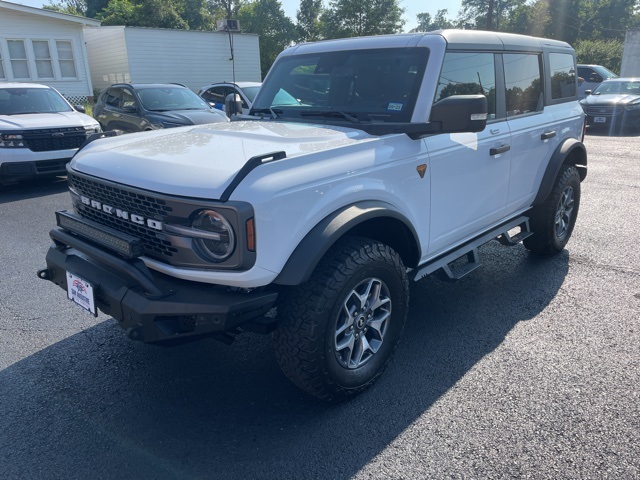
[365, 163]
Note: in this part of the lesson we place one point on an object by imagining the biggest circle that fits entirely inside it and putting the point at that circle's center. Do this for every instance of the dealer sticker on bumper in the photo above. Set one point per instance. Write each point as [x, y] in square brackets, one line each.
[80, 292]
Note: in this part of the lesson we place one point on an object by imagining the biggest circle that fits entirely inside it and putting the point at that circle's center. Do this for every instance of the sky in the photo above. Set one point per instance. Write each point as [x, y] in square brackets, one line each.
[290, 7]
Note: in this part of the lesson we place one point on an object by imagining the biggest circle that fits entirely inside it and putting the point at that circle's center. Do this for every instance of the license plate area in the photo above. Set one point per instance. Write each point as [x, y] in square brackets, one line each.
[80, 292]
[599, 119]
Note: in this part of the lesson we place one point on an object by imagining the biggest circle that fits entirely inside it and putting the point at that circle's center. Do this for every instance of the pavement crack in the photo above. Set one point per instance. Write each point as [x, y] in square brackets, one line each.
[581, 260]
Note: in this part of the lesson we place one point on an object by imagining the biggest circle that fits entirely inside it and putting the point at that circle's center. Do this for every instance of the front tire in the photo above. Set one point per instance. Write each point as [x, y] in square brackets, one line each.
[552, 222]
[338, 330]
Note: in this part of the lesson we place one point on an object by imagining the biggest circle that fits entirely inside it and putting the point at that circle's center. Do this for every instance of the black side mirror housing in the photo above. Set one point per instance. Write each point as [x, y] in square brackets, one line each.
[461, 113]
[79, 108]
[233, 104]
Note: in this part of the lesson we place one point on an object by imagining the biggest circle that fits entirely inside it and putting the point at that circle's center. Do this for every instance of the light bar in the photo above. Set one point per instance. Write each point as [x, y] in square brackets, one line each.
[126, 245]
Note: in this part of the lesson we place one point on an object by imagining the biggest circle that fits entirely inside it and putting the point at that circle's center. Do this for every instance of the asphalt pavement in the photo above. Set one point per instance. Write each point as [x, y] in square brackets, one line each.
[527, 368]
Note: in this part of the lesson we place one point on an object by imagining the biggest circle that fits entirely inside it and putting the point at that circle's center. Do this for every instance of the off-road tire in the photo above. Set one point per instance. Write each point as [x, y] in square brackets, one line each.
[308, 344]
[552, 222]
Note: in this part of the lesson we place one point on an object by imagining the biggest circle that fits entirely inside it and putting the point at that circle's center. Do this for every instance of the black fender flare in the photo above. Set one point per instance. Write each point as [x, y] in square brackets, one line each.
[327, 232]
[570, 147]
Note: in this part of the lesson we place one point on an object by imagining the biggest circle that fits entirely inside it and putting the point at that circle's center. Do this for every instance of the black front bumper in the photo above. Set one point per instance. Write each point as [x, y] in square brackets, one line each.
[150, 306]
[16, 171]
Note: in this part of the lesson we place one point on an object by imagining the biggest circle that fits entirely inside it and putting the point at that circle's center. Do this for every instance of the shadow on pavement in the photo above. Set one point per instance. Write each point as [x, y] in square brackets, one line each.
[97, 405]
[40, 187]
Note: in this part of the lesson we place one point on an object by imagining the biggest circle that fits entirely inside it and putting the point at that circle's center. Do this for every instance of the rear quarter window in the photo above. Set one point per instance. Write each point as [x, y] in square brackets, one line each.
[563, 76]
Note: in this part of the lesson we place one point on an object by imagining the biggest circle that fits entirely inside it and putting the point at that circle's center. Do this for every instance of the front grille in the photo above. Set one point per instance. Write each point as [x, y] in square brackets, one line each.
[49, 139]
[131, 201]
[608, 111]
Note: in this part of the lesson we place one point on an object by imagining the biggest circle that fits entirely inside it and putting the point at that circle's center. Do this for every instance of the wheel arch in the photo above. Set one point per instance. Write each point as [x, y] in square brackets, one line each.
[570, 152]
[372, 219]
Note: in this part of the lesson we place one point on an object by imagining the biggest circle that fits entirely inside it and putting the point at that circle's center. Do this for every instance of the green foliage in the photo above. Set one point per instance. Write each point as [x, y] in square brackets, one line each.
[276, 30]
[356, 18]
[309, 20]
[427, 24]
[600, 52]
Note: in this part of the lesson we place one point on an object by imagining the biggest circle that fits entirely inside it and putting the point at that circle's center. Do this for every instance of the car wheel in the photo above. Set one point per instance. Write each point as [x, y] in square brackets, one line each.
[552, 222]
[338, 330]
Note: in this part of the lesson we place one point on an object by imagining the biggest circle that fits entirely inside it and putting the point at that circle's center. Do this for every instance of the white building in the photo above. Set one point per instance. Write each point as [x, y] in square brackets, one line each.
[631, 54]
[152, 55]
[42, 46]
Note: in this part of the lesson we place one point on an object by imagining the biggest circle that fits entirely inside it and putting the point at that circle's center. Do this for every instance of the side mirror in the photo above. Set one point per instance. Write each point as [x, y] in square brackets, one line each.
[129, 109]
[461, 113]
[233, 104]
[587, 92]
[79, 108]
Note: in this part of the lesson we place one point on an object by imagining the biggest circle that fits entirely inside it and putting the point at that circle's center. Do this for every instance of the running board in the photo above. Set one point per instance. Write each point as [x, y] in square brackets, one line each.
[451, 265]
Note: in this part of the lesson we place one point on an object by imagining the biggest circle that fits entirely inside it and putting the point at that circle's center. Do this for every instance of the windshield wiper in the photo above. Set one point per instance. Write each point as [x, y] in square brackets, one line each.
[274, 112]
[330, 114]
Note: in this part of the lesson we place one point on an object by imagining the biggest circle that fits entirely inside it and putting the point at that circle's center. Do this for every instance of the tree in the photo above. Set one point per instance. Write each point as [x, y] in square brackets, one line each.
[477, 11]
[119, 12]
[276, 30]
[231, 8]
[600, 52]
[356, 18]
[440, 22]
[309, 23]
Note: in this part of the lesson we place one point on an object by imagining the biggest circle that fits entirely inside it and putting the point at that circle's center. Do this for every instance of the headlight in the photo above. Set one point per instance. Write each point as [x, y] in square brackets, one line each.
[217, 242]
[170, 125]
[633, 106]
[89, 129]
[9, 140]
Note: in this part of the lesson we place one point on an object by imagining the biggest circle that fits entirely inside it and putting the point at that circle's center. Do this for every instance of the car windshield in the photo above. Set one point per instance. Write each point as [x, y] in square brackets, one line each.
[604, 72]
[20, 101]
[372, 85]
[616, 88]
[250, 92]
[162, 99]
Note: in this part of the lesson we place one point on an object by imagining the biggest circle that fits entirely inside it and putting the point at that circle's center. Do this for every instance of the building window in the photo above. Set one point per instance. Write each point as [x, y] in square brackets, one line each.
[2, 74]
[42, 57]
[65, 59]
[18, 58]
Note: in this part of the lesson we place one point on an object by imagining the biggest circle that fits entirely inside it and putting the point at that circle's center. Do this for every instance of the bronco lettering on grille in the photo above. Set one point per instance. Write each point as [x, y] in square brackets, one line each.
[131, 217]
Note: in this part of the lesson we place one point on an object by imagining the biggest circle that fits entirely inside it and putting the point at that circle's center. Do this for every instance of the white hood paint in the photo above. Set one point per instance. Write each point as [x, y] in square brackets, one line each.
[200, 161]
[45, 120]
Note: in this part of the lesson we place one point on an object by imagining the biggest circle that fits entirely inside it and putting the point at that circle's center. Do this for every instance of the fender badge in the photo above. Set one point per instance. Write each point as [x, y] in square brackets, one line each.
[421, 170]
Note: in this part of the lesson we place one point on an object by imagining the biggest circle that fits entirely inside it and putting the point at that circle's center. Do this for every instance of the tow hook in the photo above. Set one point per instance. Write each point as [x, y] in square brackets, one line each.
[45, 274]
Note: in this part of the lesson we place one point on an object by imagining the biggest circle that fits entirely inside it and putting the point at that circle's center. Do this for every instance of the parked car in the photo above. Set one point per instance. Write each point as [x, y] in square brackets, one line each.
[139, 107]
[39, 131]
[216, 93]
[590, 76]
[614, 104]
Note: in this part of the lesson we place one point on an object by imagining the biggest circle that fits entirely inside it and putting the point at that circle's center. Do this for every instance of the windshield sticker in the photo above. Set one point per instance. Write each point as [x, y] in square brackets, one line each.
[395, 107]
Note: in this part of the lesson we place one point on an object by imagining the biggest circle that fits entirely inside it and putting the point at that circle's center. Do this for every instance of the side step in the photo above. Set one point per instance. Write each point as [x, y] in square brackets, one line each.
[452, 266]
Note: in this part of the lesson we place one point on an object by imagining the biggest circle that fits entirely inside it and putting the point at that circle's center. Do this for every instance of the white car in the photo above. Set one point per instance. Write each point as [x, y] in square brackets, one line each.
[216, 93]
[39, 131]
[400, 157]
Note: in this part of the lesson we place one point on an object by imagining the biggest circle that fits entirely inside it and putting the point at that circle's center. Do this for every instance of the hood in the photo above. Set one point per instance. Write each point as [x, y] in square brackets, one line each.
[192, 117]
[45, 120]
[200, 161]
[609, 99]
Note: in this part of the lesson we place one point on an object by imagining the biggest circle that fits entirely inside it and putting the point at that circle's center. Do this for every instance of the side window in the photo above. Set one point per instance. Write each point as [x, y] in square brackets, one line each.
[216, 95]
[113, 97]
[563, 76]
[469, 74]
[523, 83]
[128, 101]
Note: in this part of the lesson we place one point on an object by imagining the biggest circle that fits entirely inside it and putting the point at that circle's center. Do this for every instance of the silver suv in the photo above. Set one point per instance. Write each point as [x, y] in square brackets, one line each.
[39, 131]
[400, 157]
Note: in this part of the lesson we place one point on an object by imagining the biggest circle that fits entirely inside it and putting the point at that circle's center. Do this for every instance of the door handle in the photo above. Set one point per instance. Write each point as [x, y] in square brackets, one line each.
[499, 150]
[548, 135]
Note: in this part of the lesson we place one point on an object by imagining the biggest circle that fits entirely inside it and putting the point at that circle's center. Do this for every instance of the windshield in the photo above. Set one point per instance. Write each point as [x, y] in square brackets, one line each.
[604, 72]
[250, 92]
[373, 85]
[20, 101]
[615, 88]
[170, 98]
